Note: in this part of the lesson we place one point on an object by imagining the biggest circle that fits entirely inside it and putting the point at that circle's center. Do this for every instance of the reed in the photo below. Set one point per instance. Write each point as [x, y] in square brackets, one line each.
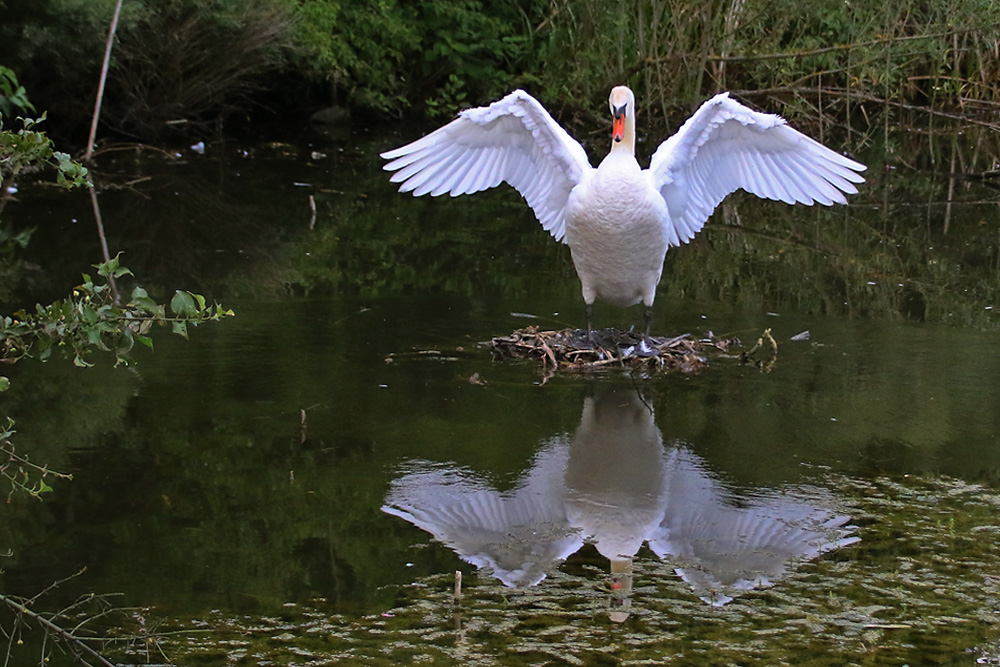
[855, 65]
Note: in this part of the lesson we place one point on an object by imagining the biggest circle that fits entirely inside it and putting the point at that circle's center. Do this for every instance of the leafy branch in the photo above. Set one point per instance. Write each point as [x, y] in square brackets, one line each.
[91, 318]
[23, 475]
[28, 148]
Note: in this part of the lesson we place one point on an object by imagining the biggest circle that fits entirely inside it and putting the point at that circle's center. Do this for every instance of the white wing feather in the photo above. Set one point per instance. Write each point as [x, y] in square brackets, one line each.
[514, 140]
[725, 146]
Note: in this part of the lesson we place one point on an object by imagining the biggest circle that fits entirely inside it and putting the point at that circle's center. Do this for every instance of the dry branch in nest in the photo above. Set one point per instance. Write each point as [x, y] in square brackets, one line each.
[571, 349]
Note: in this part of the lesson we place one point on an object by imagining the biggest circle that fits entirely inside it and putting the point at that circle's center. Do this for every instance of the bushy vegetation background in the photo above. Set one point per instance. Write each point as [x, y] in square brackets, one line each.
[187, 63]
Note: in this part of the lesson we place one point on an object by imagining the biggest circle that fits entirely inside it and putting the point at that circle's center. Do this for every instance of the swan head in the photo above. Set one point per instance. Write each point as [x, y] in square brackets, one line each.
[622, 103]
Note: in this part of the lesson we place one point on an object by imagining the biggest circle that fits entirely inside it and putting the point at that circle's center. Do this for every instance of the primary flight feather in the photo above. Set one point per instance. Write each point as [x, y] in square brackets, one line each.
[619, 219]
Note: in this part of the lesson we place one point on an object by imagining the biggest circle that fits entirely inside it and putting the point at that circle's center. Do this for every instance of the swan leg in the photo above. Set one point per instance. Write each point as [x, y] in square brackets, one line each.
[647, 348]
[588, 310]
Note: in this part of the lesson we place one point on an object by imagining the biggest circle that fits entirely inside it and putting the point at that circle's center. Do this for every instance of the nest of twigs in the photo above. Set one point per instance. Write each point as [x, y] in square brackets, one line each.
[574, 350]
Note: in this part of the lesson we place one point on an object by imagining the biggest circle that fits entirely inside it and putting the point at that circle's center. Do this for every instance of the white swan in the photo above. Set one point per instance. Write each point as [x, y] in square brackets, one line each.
[619, 219]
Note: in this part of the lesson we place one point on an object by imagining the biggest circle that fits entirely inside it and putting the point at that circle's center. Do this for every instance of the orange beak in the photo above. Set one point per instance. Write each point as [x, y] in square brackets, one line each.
[618, 128]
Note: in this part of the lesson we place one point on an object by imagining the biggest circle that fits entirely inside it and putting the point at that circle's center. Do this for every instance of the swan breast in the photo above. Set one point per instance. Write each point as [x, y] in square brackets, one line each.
[615, 228]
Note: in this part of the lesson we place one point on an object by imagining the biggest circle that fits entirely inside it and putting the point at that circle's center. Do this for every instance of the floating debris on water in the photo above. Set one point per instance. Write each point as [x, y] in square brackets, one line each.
[574, 350]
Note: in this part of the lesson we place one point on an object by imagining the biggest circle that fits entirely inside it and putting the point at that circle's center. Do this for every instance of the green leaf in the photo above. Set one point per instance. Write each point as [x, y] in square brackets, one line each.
[125, 343]
[4, 383]
[14, 92]
[109, 267]
[181, 329]
[147, 305]
[183, 304]
[88, 314]
[141, 299]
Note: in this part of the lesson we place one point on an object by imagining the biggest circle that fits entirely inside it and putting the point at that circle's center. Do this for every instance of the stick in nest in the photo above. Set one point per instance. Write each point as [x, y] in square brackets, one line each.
[572, 349]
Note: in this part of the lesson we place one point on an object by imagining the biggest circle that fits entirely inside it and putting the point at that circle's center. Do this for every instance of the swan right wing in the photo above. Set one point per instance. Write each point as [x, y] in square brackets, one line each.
[726, 146]
[513, 141]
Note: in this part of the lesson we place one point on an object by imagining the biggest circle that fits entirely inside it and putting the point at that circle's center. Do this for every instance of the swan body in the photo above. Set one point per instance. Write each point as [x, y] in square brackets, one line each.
[620, 219]
[615, 232]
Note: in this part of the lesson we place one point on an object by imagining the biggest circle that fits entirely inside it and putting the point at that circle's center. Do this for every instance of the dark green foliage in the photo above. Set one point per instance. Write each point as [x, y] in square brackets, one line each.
[12, 94]
[438, 56]
[198, 60]
[56, 46]
[358, 47]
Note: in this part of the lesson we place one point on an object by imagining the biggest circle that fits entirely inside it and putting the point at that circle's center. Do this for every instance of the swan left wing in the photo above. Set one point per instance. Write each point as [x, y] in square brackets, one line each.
[513, 140]
[724, 147]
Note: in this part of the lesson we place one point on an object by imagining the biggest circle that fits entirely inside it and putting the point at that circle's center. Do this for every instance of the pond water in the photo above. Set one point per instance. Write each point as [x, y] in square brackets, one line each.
[300, 484]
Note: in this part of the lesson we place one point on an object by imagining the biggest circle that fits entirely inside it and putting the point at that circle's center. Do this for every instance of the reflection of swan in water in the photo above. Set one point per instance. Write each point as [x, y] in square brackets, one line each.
[613, 485]
[518, 535]
[722, 548]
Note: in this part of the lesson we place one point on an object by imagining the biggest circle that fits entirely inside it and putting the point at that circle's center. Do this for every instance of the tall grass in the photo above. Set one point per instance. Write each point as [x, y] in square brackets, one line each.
[182, 64]
[853, 60]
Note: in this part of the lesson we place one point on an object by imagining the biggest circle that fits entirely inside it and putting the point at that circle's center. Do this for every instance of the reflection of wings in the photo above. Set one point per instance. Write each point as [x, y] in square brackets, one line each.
[723, 549]
[613, 485]
[519, 535]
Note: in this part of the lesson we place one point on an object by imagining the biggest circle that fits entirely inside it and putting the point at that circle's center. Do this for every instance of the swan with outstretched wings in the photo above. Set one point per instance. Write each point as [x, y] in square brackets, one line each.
[619, 219]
